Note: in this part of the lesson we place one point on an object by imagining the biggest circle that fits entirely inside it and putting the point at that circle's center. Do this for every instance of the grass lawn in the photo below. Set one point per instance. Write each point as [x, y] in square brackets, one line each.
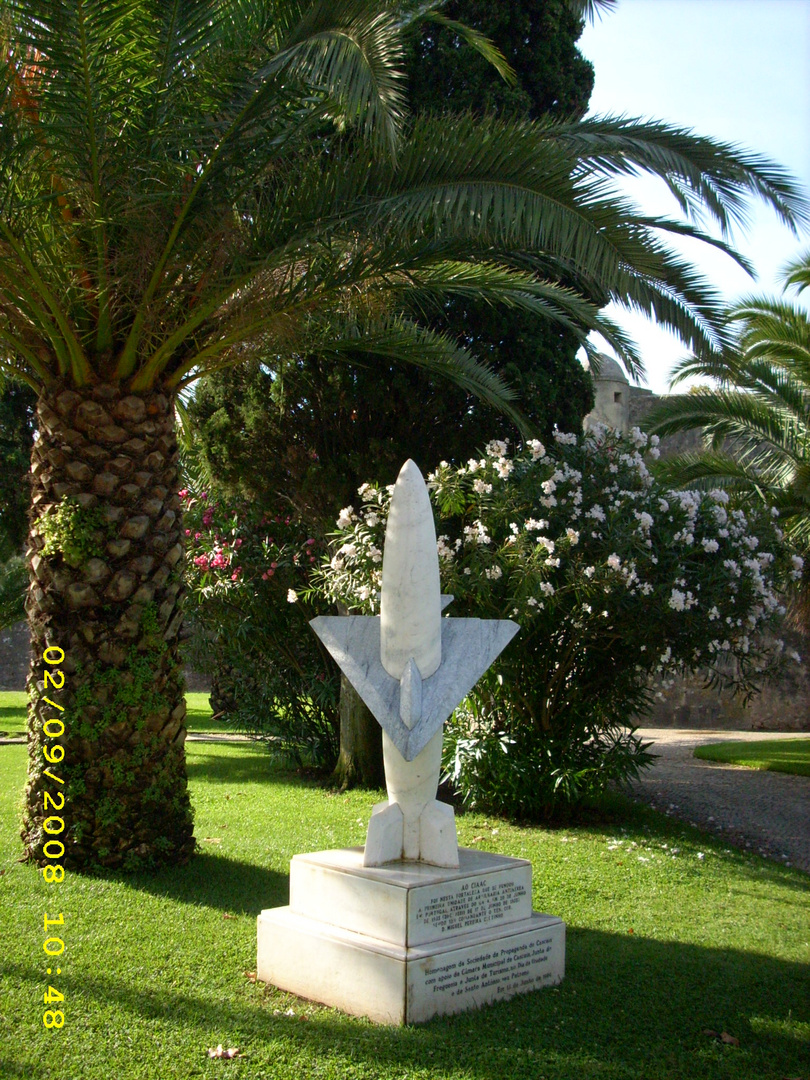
[670, 934]
[779, 755]
[13, 705]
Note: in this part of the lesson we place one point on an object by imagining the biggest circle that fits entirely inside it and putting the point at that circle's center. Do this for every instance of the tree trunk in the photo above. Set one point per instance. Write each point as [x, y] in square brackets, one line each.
[360, 763]
[106, 562]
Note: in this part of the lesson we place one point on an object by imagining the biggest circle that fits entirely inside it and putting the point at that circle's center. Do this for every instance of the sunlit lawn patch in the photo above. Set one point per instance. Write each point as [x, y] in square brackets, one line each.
[778, 755]
[671, 935]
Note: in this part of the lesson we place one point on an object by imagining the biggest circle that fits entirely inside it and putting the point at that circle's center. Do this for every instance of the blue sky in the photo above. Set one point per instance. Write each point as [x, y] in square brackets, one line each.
[737, 70]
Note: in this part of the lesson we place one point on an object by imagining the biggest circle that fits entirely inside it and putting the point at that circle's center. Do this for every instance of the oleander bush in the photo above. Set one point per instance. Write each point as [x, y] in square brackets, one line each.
[614, 580]
[248, 608]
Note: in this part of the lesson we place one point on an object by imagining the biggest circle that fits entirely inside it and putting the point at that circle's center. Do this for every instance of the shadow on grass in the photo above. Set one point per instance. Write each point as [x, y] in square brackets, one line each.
[214, 881]
[629, 1009]
[248, 763]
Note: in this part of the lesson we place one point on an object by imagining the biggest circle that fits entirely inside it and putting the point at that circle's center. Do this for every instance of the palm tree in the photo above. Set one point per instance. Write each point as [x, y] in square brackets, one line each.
[189, 183]
[755, 420]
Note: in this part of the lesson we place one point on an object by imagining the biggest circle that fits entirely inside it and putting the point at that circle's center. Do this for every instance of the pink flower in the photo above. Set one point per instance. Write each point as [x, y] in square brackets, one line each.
[188, 532]
[309, 543]
[273, 565]
[219, 561]
[237, 543]
[183, 493]
[197, 536]
[202, 562]
[236, 573]
[267, 574]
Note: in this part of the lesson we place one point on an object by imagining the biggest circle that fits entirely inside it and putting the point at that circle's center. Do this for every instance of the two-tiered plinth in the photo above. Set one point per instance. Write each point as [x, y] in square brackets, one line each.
[406, 941]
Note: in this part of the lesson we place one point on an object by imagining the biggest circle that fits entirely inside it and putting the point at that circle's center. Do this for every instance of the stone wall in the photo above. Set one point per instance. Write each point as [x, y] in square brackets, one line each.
[15, 655]
[781, 705]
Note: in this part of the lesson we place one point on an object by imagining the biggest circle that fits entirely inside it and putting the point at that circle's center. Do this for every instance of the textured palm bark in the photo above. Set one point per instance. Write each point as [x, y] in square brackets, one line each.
[116, 614]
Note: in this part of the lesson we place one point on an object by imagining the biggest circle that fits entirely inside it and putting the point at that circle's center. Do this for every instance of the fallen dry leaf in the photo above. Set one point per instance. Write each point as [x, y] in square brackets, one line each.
[475, 839]
[722, 1036]
[251, 975]
[227, 916]
[231, 1052]
[212, 839]
[630, 931]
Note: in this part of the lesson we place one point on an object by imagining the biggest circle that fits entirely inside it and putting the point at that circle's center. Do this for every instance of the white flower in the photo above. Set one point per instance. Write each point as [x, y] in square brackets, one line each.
[494, 573]
[645, 520]
[710, 545]
[372, 519]
[497, 448]
[375, 553]
[537, 449]
[292, 596]
[798, 562]
[638, 437]
[504, 468]
[564, 438]
[589, 571]
[443, 548]
[572, 536]
[614, 562]
[534, 523]
[714, 614]
[481, 487]
[477, 533]
[543, 541]
[345, 517]
[546, 588]
[677, 600]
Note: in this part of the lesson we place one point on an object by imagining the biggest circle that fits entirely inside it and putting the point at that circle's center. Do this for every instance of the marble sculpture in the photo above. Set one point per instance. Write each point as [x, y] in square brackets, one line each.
[412, 666]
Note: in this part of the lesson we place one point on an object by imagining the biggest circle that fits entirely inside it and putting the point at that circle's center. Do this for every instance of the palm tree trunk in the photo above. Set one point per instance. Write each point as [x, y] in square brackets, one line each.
[106, 560]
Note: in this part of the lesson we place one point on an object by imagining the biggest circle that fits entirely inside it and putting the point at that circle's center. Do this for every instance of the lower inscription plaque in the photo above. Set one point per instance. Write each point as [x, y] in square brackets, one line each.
[491, 971]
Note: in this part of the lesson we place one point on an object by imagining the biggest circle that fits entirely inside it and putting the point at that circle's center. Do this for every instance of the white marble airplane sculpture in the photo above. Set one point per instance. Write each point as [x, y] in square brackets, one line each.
[412, 667]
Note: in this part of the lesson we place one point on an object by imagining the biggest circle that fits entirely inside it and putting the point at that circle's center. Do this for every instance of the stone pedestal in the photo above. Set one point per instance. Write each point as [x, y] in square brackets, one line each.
[406, 941]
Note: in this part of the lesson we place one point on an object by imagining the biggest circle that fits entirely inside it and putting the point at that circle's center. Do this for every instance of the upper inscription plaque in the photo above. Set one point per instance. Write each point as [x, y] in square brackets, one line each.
[464, 905]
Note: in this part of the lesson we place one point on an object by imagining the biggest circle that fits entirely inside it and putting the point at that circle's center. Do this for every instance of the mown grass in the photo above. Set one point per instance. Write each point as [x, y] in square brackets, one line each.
[13, 706]
[778, 755]
[670, 934]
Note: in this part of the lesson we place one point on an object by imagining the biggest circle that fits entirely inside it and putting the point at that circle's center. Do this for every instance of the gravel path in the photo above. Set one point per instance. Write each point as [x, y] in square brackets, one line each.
[767, 812]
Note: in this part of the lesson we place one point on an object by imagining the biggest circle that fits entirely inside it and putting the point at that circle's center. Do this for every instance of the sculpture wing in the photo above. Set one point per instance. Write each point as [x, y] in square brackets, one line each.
[469, 646]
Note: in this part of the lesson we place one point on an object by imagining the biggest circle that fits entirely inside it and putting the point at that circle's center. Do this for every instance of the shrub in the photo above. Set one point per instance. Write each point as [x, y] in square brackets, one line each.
[613, 579]
[247, 575]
